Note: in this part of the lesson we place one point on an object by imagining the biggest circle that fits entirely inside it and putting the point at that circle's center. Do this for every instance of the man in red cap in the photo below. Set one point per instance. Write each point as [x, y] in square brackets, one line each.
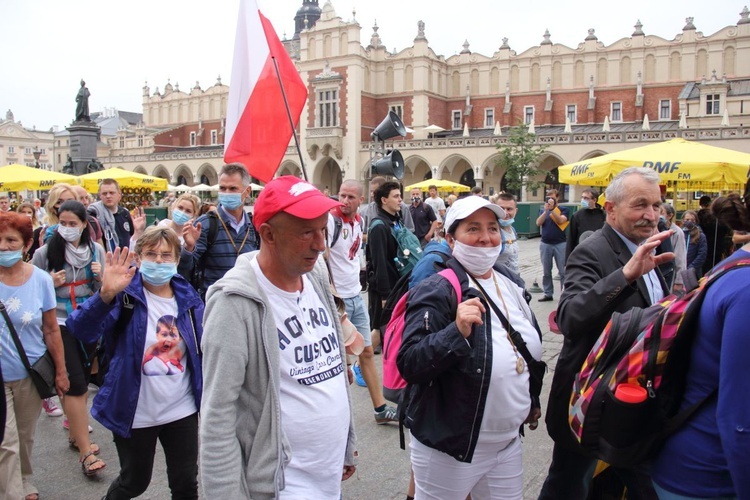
[276, 413]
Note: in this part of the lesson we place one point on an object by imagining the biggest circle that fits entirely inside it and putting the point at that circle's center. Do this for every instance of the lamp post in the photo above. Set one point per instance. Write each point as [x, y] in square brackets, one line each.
[37, 154]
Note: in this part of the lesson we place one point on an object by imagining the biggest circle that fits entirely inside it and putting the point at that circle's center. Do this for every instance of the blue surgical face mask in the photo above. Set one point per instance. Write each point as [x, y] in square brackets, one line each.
[663, 219]
[179, 217]
[230, 201]
[157, 274]
[9, 257]
[585, 203]
[507, 222]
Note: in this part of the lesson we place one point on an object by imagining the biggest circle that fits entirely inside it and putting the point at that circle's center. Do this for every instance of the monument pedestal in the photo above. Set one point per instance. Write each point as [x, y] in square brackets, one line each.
[84, 137]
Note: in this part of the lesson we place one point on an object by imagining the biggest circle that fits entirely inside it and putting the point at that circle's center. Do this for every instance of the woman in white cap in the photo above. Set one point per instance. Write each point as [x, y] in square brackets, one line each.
[465, 360]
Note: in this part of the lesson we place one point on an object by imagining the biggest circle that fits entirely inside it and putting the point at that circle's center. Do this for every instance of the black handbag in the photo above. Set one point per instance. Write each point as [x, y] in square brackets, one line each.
[42, 372]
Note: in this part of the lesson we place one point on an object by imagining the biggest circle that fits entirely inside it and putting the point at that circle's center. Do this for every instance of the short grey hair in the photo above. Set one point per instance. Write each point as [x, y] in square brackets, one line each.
[236, 168]
[616, 189]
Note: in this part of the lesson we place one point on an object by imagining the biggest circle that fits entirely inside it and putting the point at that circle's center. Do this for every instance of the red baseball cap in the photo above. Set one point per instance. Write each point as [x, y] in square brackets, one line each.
[294, 196]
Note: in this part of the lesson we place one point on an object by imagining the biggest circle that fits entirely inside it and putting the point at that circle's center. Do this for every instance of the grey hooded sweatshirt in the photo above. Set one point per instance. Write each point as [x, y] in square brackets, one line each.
[243, 449]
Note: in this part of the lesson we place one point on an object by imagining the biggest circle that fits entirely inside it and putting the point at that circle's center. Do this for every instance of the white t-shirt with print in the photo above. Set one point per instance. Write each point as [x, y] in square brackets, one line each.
[313, 397]
[344, 260]
[508, 401]
[165, 394]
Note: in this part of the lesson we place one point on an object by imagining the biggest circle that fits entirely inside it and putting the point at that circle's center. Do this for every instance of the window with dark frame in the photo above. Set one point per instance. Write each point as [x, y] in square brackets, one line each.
[328, 108]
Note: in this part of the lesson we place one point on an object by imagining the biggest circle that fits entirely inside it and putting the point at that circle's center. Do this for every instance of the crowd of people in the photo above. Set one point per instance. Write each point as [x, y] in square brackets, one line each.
[233, 338]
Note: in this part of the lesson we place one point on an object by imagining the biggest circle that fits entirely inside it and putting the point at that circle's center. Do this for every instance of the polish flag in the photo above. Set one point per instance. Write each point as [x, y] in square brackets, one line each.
[257, 127]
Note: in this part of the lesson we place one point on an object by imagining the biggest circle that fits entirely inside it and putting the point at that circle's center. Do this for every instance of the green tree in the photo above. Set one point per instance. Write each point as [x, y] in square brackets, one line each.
[520, 158]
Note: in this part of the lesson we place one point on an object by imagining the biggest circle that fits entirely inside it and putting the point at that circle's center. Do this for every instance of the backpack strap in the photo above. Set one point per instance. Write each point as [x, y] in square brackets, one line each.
[338, 223]
[451, 276]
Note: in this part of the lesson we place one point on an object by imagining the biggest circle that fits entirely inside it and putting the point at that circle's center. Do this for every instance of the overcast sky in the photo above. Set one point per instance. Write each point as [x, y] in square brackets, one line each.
[49, 45]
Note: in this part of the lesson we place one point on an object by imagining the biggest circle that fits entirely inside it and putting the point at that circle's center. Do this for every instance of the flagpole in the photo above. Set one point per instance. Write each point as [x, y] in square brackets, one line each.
[291, 121]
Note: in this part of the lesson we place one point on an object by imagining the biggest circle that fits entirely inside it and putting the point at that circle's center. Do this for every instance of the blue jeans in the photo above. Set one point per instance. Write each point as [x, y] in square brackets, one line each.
[549, 251]
[357, 312]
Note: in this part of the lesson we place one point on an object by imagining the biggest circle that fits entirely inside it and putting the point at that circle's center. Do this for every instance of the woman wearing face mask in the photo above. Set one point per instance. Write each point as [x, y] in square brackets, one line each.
[469, 386]
[59, 194]
[184, 210]
[140, 408]
[29, 299]
[75, 264]
[697, 246]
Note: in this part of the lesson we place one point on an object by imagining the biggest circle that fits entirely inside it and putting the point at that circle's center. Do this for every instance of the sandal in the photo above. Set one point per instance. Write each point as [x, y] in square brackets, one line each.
[88, 471]
[32, 496]
[93, 447]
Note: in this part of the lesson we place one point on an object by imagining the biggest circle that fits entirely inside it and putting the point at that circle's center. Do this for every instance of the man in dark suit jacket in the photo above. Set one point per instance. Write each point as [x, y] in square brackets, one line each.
[612, 271]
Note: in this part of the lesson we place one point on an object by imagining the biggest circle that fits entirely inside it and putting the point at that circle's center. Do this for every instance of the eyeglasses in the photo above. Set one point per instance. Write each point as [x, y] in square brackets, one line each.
[165, 257]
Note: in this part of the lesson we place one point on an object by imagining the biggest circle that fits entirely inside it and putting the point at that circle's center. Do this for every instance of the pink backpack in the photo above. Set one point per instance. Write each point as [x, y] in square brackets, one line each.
[393, 382]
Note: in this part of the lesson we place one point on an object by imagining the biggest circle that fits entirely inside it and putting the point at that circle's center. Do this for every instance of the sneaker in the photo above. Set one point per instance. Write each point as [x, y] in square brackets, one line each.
[66, 425]
[51, 408]
[358, 376]
[387, 415]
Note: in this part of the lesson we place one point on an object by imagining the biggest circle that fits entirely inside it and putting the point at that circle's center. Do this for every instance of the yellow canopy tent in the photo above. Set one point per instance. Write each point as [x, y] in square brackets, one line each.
[443, 186]
[678, 162]
[125, 178]
[19, 177]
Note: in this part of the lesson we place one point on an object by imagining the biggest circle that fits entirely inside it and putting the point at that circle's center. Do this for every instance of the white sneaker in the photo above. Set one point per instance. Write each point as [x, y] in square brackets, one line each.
[50, 408]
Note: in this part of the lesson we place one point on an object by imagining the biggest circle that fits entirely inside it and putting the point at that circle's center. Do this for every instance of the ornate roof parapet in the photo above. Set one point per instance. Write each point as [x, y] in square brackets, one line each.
[744, 16]
[466, 47]
[638, 29]
[420, 31]
[546, 40]
[689, 26]
[591, 35]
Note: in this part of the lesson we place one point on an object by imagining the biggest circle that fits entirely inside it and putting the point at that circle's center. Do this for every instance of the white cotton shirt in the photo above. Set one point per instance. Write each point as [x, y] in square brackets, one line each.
[165, 394]
[508, 401]
[314, 402]
[344, 259]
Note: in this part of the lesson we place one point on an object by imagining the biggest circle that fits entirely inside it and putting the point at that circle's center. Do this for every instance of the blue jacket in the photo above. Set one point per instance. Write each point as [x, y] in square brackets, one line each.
[115, 403]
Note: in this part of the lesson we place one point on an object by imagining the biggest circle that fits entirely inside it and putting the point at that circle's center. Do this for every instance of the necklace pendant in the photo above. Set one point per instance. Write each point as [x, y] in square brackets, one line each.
[519, 365]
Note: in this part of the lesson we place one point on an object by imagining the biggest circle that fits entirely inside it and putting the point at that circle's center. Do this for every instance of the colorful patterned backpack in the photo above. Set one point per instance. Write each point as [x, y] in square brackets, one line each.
[647, 351]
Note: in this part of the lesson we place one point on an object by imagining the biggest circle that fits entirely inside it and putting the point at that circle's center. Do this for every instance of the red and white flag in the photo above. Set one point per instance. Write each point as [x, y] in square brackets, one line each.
[257, 128]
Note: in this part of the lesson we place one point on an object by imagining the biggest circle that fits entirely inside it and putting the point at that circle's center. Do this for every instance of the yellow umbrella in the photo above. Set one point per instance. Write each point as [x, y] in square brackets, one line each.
[676, 160]
[125, 178]
[442, 185]
[19, 177]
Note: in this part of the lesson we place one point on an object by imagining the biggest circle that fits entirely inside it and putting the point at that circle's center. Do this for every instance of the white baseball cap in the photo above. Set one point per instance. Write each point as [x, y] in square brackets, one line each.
[463, 208]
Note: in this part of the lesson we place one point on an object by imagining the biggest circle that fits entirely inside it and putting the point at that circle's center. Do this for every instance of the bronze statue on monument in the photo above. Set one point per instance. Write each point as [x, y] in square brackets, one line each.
[82, 108]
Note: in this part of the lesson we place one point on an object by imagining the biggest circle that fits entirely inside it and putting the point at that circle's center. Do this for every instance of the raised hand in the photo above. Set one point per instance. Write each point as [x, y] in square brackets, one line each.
[139, 222]
[468, 314]
[643, 260]
[118, 274]
[190, 234]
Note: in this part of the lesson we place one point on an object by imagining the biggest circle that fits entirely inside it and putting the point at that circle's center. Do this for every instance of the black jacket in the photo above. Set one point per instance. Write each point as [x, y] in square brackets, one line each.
[448, 376]
[381, 249]
[595, 287]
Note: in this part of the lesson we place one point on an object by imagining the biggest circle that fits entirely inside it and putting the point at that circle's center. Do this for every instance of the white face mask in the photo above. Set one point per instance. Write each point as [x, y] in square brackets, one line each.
[476, 260]
[70, 234]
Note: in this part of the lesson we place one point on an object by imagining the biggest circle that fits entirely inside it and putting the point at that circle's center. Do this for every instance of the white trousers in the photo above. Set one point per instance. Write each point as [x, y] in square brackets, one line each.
[495, 472]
